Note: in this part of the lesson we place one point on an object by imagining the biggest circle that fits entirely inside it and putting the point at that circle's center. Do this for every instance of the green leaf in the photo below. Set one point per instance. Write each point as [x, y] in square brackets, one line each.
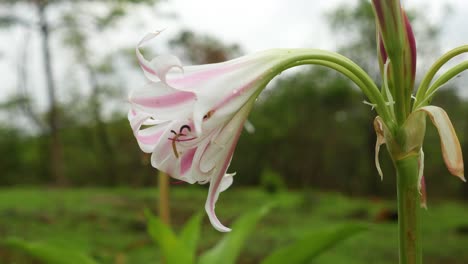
[173, 250]
[191, 233]
[312, 245]
[47, 253]
[228, 249]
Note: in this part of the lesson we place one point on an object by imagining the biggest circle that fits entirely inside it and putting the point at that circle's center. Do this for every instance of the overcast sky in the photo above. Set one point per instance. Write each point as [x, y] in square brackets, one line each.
[254, 24]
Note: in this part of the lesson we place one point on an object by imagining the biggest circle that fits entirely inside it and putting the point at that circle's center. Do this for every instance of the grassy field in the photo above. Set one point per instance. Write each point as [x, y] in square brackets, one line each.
[109, 224]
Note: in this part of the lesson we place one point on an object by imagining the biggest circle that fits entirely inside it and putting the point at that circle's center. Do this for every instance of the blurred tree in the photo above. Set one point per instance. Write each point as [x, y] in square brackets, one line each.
[202, 49]
[44, 27]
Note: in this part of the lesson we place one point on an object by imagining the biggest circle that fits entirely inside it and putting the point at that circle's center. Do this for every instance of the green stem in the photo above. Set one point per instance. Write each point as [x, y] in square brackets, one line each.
[443, 79]
[409, 210]
[338, 62]
[435, 68]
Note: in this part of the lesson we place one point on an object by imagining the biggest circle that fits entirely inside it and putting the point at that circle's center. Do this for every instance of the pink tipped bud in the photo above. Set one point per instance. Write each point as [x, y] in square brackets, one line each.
[396, 44]
[410, 52]
[390, 24]
[381, 53]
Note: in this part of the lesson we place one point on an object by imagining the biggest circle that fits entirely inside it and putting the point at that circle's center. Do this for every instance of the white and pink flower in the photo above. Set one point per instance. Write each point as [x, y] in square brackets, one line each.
[190, 118]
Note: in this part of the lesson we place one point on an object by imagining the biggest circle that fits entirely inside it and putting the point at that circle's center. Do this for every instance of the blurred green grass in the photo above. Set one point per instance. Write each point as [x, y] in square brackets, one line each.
[110, 226]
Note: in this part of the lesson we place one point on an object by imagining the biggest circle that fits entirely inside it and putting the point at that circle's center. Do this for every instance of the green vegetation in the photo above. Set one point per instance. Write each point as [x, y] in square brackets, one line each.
[110, 225]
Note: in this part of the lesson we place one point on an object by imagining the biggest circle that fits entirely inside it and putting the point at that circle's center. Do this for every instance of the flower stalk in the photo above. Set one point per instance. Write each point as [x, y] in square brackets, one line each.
[164, 206]
[409, 210]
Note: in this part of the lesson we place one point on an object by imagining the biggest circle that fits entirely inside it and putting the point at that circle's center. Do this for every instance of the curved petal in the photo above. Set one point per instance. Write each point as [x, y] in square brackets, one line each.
[451, 149]
[156, 69]
[147, 138]
[225, 143]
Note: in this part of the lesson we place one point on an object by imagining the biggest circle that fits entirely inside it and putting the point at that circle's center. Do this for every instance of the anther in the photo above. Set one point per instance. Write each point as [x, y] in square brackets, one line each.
[176, 137]
[185, 126]
[208, 115]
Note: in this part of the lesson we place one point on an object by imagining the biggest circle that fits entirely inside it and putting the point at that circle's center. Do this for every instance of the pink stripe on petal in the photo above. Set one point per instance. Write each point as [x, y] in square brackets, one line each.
[147, 68]
[150, 139]
[168, 100]
[204, 75]
[186, 162]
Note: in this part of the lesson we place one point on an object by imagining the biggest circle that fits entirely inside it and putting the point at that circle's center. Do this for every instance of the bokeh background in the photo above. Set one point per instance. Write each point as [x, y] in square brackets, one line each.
[72, 173]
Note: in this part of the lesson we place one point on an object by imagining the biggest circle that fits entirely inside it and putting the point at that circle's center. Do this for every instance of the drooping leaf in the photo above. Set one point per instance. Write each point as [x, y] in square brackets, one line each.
[379, 131]
[451, 149]
[173, 249]
[310, 246]
[48, 253]
[228, 249]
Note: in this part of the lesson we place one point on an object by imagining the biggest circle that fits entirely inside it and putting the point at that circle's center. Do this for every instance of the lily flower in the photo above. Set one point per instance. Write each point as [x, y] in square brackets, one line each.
[190, 118]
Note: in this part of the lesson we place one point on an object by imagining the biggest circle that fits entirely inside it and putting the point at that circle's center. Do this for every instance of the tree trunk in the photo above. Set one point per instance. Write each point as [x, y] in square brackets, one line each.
[56, 159]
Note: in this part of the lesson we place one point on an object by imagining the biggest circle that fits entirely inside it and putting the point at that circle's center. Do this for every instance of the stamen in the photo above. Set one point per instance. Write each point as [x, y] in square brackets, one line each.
[176, 138]
[185, 126]
[174, 148]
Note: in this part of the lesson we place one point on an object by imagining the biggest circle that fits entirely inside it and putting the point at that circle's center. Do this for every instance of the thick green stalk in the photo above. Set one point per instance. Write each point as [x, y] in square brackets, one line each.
[409, 210]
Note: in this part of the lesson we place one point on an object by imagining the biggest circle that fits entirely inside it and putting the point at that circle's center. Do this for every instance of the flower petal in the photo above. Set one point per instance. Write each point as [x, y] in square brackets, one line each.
[147, 138]
[379, 131]
[224, 87]
[162, 101]
[451, 149]
[157, 69]
[225, 143]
